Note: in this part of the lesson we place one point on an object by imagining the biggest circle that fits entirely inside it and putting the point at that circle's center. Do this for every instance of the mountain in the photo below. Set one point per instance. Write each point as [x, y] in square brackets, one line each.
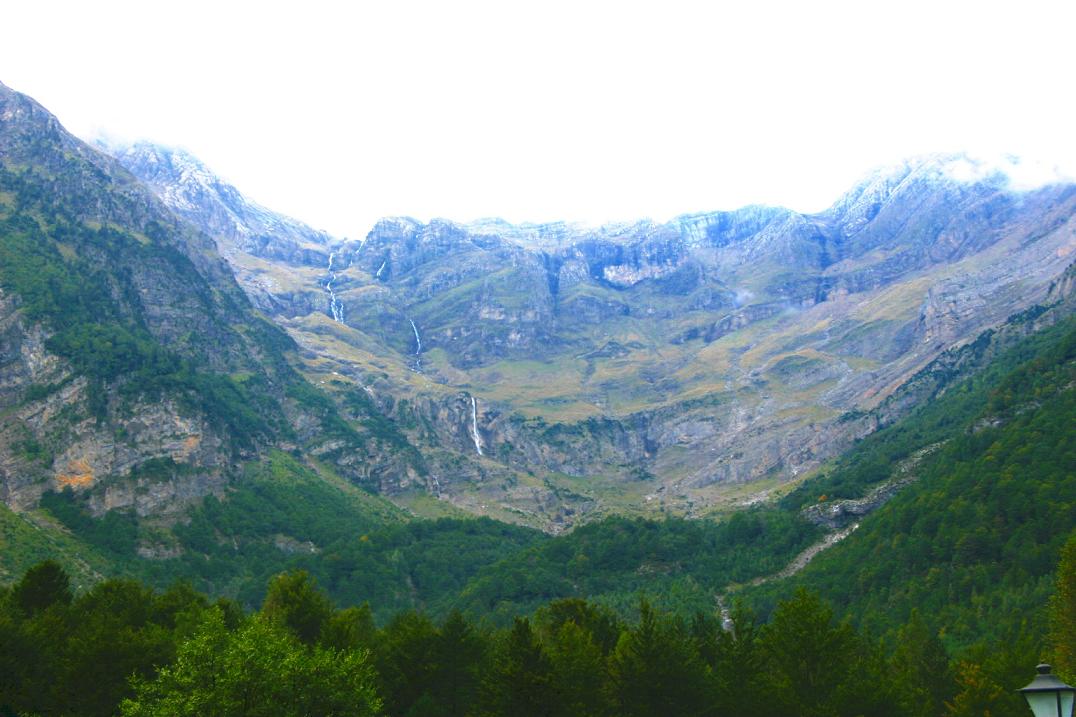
[137, 381]
[247, 234]
[157, 425]
[883, 395]
[189, 189]
[551, 372]
[958, 509]
[981, 487]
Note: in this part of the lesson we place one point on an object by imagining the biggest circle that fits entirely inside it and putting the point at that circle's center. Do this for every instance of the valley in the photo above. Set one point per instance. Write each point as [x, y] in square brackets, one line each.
[855, 427]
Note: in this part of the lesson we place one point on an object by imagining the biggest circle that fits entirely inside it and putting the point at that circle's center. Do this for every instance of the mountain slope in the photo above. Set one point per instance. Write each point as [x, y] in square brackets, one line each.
[973, 540]
[135, 377]
[553, 371]
[188, 188]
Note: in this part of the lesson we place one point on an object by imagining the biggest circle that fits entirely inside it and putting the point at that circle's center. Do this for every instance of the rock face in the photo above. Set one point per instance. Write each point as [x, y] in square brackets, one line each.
[282, 263]
[133, 368]
[673, 360]
[52, 442]
[188, 188]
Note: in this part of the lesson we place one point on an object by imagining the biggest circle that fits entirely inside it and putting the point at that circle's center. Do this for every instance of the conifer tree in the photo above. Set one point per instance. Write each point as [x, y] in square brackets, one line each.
[519, 683]
[656, 670]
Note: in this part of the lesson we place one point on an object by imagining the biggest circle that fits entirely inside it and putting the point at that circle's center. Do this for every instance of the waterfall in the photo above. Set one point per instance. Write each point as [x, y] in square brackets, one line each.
[335, 307]
[418, 341]
[380, 269]
[474, 426]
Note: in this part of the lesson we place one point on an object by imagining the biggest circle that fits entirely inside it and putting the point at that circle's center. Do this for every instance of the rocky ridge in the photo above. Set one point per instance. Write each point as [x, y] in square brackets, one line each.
[133, 369]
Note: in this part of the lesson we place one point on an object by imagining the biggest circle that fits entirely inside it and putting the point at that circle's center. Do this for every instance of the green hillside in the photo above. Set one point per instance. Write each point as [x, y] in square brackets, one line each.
[679, 564]
[973, 542]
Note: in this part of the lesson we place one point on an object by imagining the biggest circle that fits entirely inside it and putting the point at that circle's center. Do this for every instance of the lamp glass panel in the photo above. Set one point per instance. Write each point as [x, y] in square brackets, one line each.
[1044, 704]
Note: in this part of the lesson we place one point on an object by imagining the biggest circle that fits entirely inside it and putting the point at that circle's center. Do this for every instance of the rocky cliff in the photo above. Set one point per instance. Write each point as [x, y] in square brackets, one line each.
[133, 368]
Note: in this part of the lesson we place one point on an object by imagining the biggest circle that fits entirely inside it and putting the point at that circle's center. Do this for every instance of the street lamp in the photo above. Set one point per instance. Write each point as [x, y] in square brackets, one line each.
[1048, 696]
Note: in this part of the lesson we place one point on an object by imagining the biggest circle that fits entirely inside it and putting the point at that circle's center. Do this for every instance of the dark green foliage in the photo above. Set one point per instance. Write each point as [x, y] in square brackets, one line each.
[294, 601]
[257, 670]
[405, 662]
[459, 652]
[988, 676]
[421, 564]
[655, 669]
[1062, 636]
[43, 586]
[520, 681]
[123, 647]
[232, 545]
[76, 657]
[819, 667]
[682, 561]
[283, 516]
[600, 623]
[115, 532]
[269, 522]
[738, 666]
[349, 629]
[579, 673]
[921, 669]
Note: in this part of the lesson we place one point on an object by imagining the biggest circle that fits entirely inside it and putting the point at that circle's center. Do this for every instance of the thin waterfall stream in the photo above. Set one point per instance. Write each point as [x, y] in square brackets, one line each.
[474, 426]
[336, 309]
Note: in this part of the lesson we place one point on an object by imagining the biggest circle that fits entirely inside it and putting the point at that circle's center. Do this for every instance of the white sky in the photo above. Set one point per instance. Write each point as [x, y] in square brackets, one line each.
[340, 113]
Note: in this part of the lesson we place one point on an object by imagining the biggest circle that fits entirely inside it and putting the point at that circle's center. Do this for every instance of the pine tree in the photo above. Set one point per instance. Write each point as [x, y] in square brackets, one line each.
[519, 684]
[920, 669]
[656, 670]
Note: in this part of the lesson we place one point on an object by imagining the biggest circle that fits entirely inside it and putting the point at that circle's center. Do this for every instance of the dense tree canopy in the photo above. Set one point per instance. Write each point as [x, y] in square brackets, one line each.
[121, 647]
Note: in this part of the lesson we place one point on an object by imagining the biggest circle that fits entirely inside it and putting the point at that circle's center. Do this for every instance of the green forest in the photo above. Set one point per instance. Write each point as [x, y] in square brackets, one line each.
[124, 648]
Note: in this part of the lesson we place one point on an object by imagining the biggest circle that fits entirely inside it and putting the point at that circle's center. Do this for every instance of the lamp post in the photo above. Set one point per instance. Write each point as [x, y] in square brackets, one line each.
[1048, 696]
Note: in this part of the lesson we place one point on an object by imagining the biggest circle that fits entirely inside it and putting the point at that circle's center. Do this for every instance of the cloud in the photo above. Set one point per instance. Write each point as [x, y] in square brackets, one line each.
[1021, 174]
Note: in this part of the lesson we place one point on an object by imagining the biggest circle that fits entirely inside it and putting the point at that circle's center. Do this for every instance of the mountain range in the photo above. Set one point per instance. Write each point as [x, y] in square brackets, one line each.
[548, 373]
[876, 402]
[178, 362]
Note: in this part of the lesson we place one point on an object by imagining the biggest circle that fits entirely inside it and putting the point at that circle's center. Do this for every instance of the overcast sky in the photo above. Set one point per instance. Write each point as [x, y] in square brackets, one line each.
[339, 113]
